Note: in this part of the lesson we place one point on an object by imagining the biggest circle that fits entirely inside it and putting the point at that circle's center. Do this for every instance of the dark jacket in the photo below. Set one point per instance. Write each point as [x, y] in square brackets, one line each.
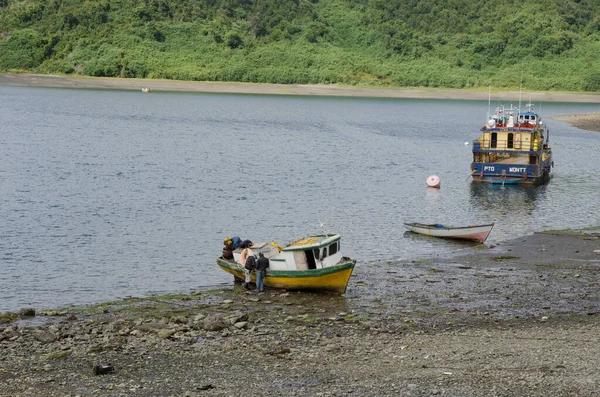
[262, 263]
[250, 262]
[227, 253]
[235, 242]
[246, 244]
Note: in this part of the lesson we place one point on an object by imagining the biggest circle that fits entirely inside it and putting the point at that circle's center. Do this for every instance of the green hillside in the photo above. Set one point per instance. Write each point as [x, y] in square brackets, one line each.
[549, 44]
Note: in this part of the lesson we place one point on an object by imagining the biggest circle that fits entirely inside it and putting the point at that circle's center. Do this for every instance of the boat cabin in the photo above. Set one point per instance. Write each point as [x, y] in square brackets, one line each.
[313, 252]
[504, 133]
[508, 140]
[528, 118]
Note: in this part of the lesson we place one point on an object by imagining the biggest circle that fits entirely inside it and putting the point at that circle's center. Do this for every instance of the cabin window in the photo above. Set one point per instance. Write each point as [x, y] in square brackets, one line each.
[510, 142]
[494, 142]
[311, 259]
[333, 248]
[317, 253]
[324, 253]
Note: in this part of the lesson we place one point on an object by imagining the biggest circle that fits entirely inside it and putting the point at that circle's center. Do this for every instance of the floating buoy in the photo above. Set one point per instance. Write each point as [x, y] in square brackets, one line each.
[434, 181]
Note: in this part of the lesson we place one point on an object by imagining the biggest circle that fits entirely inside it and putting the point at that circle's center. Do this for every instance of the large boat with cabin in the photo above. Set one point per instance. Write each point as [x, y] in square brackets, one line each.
[513, 148]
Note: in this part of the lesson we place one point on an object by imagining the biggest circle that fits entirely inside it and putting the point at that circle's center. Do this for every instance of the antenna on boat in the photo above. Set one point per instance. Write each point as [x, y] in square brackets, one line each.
[322, 226]
[520, 90]
[489, 101]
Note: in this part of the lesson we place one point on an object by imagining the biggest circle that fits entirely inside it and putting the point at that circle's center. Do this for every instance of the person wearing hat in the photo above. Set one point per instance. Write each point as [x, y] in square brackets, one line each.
[228, 248]
[261, 268]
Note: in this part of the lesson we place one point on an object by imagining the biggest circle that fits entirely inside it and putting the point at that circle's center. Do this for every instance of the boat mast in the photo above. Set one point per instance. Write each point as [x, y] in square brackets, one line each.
[530, 106]
[520, 90]
[489, 101]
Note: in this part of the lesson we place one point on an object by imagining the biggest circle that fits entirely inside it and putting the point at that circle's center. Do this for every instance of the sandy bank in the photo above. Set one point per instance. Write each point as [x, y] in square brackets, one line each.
[584, 121]
[590, 121]
[36, 80]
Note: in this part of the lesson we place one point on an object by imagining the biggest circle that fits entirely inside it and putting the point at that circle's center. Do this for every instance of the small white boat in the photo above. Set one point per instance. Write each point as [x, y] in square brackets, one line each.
[473, 232]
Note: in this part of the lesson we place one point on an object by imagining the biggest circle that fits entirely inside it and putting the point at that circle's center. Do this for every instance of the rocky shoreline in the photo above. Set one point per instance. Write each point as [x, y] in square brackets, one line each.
[517, 319]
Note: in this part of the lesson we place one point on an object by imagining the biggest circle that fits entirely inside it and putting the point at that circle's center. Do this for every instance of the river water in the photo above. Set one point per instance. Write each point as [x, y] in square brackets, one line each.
[108, 194]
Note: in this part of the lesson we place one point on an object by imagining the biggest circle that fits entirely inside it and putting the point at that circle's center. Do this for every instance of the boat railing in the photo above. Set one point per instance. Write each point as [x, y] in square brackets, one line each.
[511, 127]
[481, 144]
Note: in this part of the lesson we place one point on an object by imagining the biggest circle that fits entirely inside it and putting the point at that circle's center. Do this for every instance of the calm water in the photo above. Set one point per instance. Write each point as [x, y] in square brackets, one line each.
[106, 194]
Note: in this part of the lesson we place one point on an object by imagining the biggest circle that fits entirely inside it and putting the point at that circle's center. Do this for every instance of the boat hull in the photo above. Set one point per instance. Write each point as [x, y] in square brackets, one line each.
[330, 279]
[496, 179]
[504, 174]
[478, 233]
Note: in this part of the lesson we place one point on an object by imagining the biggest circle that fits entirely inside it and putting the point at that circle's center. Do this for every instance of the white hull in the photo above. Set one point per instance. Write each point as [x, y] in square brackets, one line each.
[476, 233]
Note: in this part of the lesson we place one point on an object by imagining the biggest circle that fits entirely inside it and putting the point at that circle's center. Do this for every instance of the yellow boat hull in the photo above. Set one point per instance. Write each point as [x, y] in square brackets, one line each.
[331, 279]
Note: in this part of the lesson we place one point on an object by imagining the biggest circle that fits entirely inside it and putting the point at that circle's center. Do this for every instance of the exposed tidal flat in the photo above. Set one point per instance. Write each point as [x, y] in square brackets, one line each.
[518, 319]
[586, 121]
[62, 81]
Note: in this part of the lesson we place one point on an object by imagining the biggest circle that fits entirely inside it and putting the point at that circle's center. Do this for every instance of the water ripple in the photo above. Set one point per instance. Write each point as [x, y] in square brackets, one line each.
[133, 195]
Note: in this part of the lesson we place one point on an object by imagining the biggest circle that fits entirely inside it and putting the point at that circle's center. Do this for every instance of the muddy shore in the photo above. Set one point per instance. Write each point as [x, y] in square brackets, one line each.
[38, 80]
[589, 121]
[583, 121]
[517, 319]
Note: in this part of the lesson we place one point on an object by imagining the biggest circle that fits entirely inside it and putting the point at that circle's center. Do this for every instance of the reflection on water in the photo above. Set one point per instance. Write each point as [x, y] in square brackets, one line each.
[432, 193]
[506, 200]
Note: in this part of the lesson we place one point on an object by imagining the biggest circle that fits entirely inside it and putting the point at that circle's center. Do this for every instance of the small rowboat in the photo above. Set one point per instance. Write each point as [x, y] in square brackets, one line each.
[473, 232]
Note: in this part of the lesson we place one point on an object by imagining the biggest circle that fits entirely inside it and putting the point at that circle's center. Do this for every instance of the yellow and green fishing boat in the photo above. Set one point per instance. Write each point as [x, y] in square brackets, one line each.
[312, 263]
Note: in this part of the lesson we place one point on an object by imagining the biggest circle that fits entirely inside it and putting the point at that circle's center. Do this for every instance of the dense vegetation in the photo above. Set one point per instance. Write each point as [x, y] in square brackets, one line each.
[548, 44]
